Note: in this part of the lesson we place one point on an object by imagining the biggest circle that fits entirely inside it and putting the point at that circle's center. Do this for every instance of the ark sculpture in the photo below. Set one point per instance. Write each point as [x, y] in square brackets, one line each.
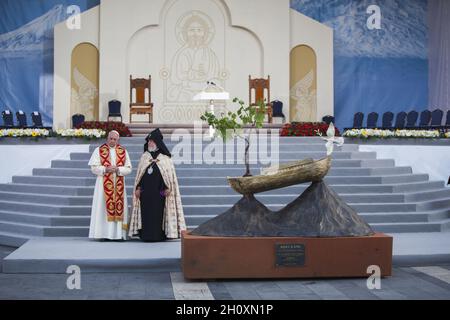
[317, 212]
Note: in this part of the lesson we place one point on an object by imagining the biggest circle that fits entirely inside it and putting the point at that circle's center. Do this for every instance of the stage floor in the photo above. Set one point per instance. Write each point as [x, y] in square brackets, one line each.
[54, 255]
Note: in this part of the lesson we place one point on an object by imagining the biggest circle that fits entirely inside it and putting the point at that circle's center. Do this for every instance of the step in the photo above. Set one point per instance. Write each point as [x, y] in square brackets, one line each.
[401, 172]
[13, 239]
[84, 210]
[433, 204]
[337, 163]
[66, 231]
[203, 172]
[48, 209]
[184, 181]
[194, 199]
[44, 231]
[374, 217]
[292, 156]
[216, 209]
[21, 228]
[205, 139]
[230, 200]
[43, 219]
[428, 195]
[198, 219]
[437, 226]
[36, 188]
[54, 181]
[405, 178]
[54, 255]
[413, 227]
[166, 132]
[46, 199]
[298, 189]
[260, 146]
[423, 216]
[225, 189]
[224, 172]
[84, 221]
[418, 186]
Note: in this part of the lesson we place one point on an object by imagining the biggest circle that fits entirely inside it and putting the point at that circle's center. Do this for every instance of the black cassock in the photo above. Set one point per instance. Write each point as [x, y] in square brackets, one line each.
[152, 203]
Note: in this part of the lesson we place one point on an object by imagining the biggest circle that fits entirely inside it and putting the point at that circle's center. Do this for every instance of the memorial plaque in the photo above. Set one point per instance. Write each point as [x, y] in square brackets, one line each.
[290, 255]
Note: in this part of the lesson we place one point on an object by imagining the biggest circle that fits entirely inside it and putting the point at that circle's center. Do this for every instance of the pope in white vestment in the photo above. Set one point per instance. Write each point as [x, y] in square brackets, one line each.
[111, 166]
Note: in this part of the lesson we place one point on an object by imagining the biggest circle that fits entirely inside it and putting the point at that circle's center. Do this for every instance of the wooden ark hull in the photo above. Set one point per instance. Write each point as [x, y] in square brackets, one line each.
[296, 173]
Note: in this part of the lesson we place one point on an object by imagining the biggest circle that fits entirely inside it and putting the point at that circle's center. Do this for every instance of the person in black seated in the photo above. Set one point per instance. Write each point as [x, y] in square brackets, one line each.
[157, 213]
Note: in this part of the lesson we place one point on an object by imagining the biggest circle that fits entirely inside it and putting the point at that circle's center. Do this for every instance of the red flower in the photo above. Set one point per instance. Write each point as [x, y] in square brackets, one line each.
[303, 129]
[107, 126]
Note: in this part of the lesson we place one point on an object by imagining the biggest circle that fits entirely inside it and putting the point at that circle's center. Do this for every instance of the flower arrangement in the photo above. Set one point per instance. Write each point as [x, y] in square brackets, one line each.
[306, 129]
[20, 133]
[80, 133]
[378, 133]
[447, 134]
[107, 127]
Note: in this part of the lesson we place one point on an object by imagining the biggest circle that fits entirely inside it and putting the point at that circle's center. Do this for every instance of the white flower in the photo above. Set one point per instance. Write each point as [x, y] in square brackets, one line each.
[81, 133]
[403, 133]
[24, 133]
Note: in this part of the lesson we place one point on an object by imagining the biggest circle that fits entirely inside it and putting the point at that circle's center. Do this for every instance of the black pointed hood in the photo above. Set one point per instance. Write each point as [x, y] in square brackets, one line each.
[157, 137]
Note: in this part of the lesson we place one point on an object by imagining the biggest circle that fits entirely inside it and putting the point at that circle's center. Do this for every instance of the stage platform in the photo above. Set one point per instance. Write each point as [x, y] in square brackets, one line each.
[396, 189]
[54, 255]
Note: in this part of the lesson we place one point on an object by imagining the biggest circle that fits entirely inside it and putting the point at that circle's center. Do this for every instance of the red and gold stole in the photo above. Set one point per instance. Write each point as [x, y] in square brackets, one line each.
[113, 195]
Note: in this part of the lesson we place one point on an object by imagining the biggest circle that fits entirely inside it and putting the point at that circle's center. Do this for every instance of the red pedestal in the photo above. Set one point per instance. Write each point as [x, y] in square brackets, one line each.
[258, 257]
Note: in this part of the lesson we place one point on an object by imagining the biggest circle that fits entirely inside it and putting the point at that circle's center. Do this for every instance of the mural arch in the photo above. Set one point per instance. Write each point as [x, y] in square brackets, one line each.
[303, 84]
[84, 75]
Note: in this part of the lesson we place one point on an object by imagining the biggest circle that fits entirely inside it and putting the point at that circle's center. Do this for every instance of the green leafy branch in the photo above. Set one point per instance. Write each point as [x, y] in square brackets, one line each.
[232, 123]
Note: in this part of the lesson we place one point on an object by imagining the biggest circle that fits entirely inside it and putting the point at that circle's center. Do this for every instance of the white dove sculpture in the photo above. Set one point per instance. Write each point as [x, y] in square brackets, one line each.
[331, 139]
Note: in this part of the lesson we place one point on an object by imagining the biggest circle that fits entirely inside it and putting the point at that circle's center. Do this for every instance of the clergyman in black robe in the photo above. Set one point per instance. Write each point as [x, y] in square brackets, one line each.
[157, 197]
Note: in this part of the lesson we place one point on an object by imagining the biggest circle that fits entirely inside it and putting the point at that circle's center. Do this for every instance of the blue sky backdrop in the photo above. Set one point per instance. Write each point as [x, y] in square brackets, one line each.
[374, 70]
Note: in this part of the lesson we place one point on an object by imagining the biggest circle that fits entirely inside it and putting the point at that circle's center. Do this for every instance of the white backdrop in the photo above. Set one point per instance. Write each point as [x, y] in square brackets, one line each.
[434, 160]
[238, 38]
[19, 160]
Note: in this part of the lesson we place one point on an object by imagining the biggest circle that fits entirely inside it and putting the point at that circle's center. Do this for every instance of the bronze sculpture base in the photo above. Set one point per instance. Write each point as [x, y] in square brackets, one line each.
[206, 257]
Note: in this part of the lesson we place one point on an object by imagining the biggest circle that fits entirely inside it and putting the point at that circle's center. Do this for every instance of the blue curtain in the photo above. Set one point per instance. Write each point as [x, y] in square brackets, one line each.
[26, 52]
[380, 69]
[439, 54]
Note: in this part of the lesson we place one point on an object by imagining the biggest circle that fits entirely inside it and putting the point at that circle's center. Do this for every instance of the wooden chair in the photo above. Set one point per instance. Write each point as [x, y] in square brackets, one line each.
[141, 105]
[261, 87]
